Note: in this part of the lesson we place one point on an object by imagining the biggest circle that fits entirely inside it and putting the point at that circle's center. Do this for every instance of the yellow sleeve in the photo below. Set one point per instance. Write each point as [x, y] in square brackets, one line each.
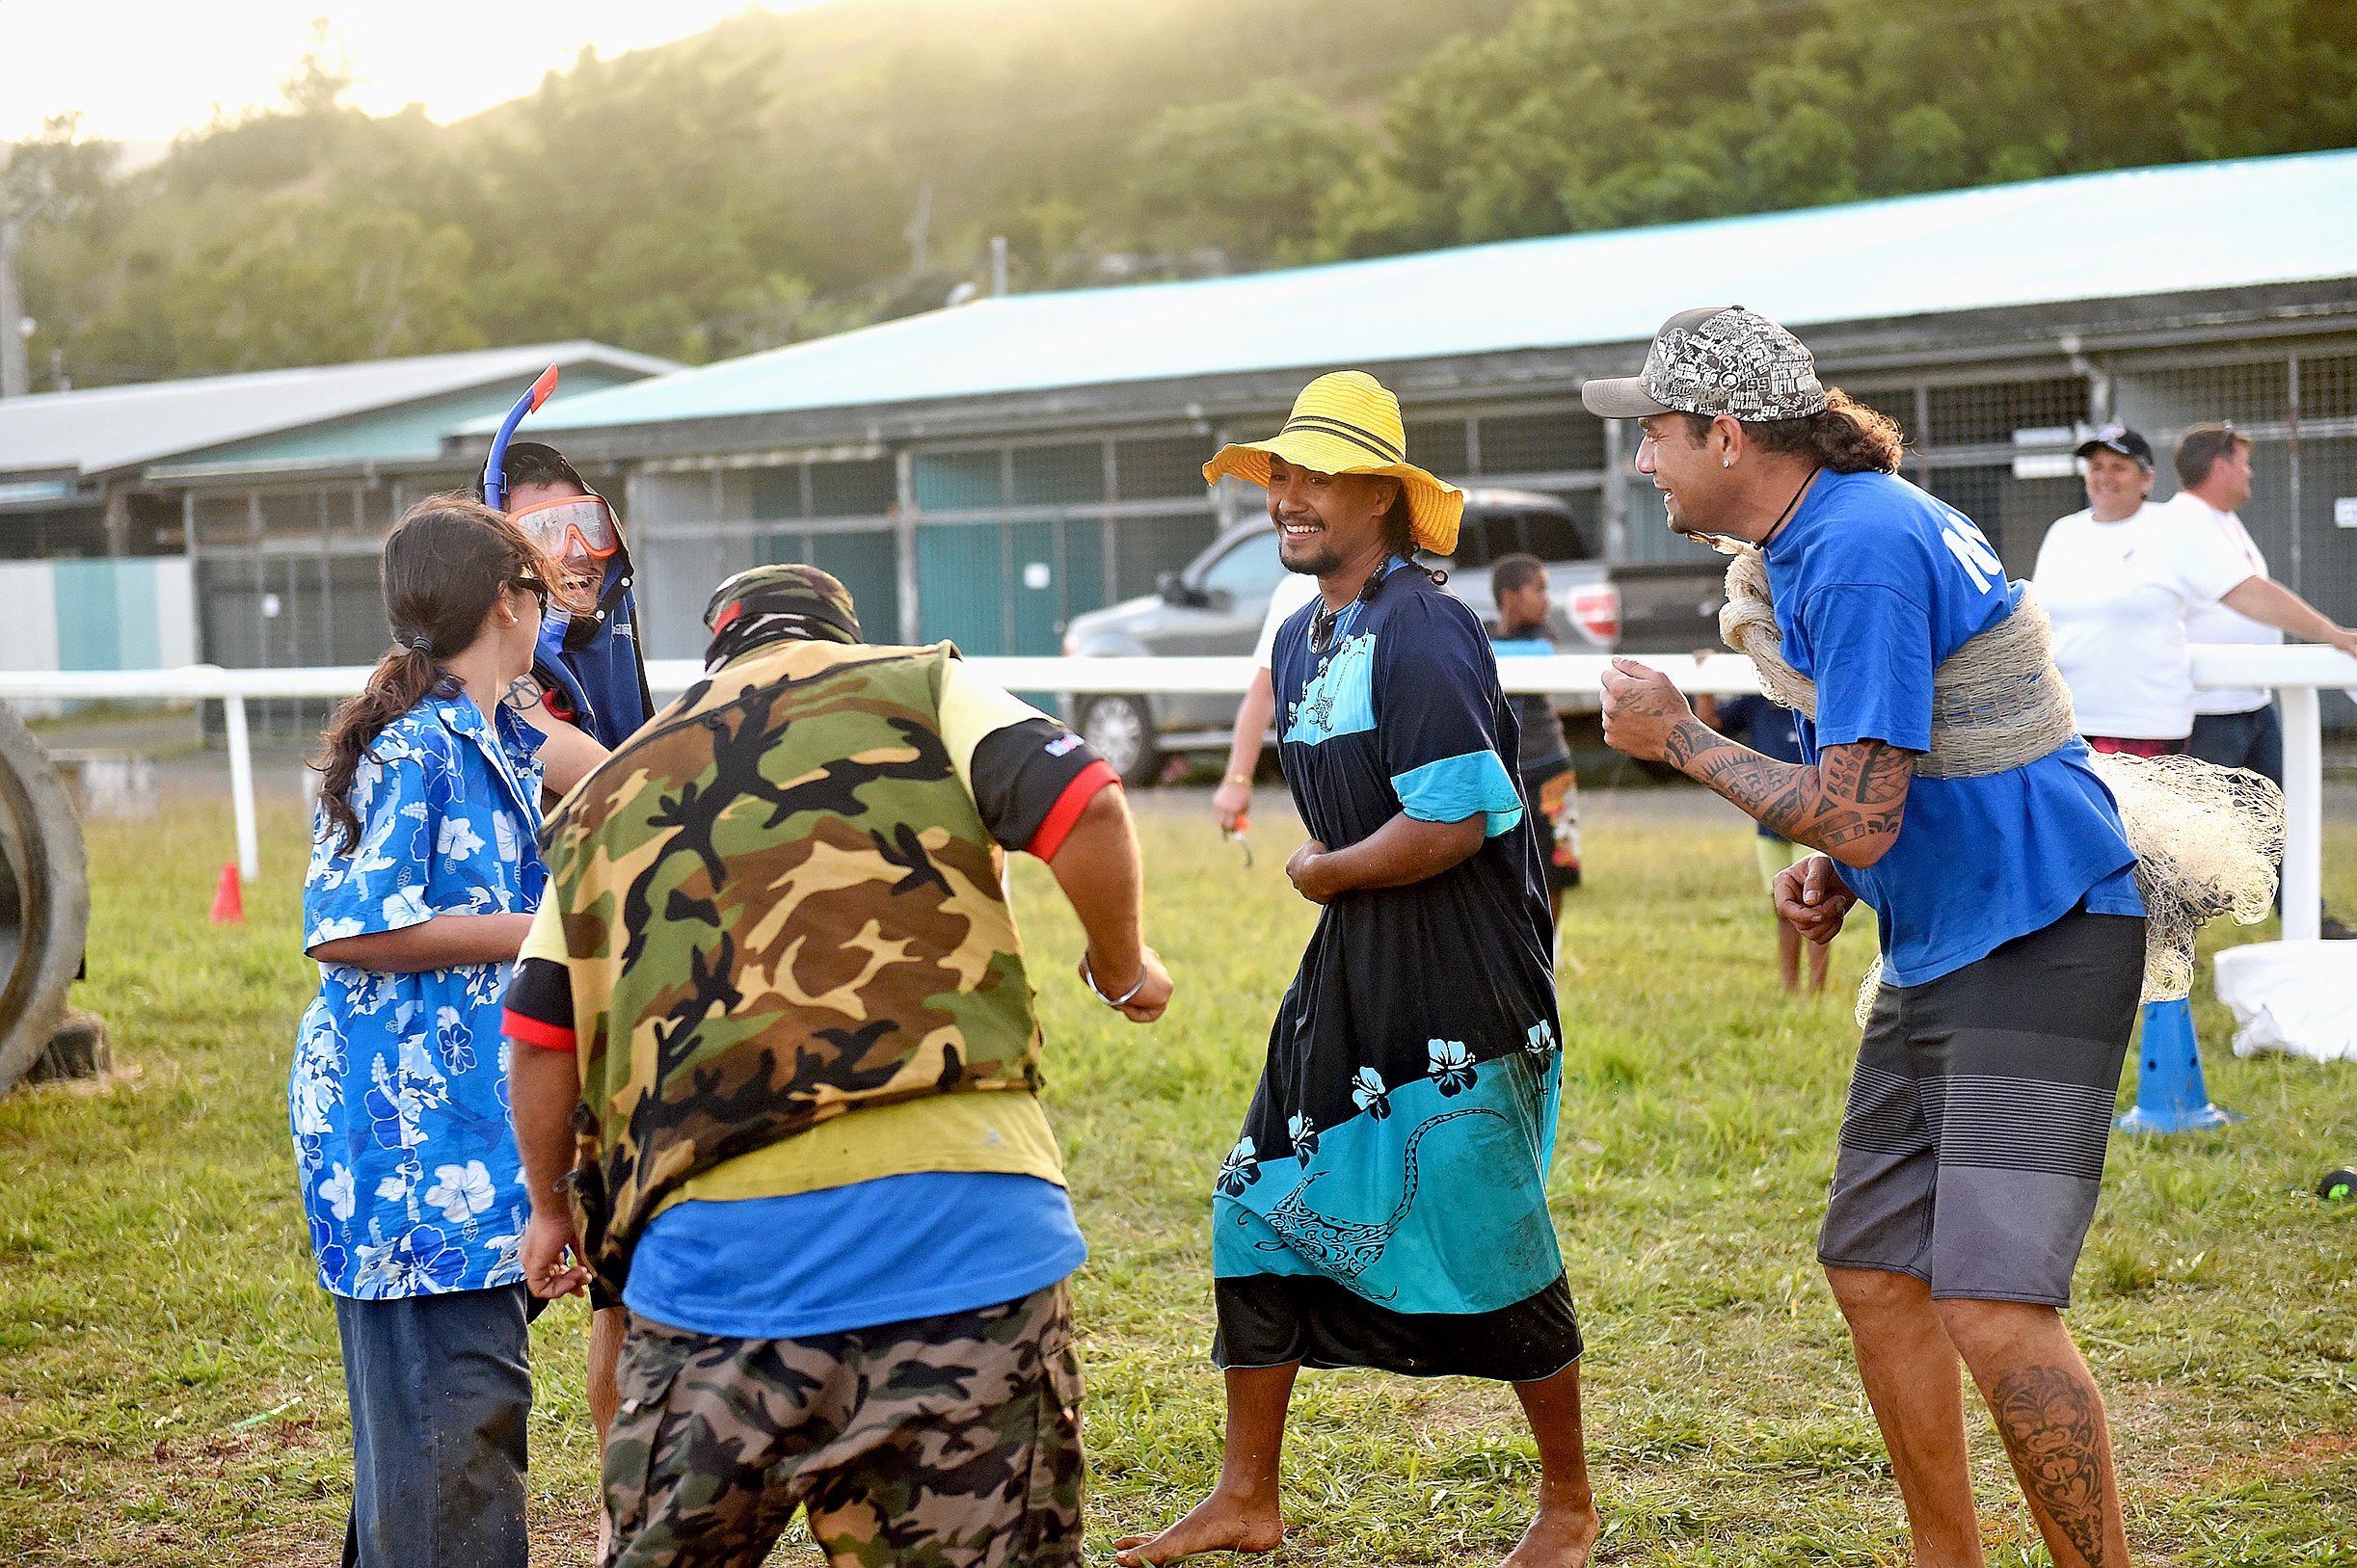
[971, 710]
[547, 937]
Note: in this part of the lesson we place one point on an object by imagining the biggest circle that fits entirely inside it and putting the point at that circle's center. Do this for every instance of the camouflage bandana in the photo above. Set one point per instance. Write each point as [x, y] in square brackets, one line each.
[766, 603]
[1717, 360]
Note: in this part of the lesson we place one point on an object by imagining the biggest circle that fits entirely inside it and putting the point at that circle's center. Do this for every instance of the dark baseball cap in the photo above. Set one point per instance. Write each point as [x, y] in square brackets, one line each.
[2117, 438]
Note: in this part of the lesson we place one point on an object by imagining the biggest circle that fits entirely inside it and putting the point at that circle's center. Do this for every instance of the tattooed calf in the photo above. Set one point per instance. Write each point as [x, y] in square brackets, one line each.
[2052, 1426]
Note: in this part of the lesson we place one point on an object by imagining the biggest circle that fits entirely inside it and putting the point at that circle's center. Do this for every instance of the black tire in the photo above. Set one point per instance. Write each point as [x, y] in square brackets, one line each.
[1120, 730]
[44, 898]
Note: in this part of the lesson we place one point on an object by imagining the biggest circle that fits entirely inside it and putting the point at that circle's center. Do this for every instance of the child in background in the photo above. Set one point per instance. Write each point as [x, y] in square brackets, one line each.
[1768, 729]
[1544, 772]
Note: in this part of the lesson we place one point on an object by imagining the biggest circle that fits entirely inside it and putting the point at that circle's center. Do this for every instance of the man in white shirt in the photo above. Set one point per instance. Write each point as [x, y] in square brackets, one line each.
[1233, 799]
[2238, 727]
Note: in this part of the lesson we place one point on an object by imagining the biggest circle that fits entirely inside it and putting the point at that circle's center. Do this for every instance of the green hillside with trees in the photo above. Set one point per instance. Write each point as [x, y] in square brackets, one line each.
[782, 176]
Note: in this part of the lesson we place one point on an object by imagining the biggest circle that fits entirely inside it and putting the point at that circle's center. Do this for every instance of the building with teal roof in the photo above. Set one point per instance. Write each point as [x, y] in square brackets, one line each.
[990, 469]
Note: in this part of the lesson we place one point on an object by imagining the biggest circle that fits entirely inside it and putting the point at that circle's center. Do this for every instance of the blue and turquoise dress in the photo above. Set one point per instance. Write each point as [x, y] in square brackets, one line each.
[1385, 1205]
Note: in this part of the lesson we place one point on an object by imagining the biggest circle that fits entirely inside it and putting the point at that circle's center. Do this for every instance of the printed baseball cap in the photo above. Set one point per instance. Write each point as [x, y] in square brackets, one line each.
[1720, 358]
[2117, 438]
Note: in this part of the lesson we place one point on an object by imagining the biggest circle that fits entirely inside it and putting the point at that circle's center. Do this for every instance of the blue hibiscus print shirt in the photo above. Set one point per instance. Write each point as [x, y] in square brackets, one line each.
[398, 1098]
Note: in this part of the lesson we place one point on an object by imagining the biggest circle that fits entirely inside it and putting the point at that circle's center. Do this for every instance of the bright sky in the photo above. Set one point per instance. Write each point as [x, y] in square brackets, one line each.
[142, 71]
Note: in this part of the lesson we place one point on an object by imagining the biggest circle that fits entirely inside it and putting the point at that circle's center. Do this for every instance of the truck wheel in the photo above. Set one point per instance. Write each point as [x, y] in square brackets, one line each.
[1120, 730]
[44, 898]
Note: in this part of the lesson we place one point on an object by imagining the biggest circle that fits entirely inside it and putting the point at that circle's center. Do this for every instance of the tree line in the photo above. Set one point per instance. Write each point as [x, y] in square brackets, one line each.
[783, 176]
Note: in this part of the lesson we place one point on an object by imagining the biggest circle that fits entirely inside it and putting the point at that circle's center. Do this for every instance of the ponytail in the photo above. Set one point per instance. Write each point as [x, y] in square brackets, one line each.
[1399, 533]
[402, 679]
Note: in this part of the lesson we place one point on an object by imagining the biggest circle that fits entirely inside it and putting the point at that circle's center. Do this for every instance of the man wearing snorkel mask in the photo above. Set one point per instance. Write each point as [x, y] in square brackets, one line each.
[592, 674]
[590, 667]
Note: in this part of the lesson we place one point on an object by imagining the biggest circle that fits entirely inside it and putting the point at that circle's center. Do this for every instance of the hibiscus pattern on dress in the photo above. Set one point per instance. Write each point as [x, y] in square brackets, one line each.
[1241, 1169]
[398, 1095]
[1452, 1066]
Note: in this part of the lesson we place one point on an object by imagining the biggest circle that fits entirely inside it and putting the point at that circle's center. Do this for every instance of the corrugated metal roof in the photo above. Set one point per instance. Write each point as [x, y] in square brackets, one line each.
[410, 433]
[2109, 235]
[108, 428]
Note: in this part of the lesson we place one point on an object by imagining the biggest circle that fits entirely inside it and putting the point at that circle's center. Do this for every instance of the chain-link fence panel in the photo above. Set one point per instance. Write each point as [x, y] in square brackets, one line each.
[1160, 467]
[1442, 445]
[1560, 439]
[2327, 525]
[863, 489]
[1056, 475]
[1993, 413]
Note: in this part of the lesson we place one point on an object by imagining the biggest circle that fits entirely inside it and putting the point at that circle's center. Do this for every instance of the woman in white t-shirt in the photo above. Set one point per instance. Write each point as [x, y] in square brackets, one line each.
[2118, 580]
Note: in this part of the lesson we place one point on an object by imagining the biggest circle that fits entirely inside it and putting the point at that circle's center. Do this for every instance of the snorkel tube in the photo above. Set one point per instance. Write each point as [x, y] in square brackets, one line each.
[495, 466]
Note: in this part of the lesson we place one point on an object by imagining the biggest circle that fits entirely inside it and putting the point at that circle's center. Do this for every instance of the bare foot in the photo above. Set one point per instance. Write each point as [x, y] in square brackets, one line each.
[1220, 1523]
[1562, 1536]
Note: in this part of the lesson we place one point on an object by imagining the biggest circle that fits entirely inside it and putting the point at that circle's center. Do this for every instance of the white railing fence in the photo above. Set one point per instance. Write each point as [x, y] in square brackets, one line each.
[2298, 674]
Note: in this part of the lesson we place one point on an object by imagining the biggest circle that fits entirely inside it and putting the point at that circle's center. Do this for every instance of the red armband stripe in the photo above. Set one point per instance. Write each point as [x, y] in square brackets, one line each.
[533, 1031]
[1069, 807]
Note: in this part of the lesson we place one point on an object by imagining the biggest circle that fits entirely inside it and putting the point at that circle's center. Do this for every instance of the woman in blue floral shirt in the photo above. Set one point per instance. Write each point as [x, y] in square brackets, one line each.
[425, 869]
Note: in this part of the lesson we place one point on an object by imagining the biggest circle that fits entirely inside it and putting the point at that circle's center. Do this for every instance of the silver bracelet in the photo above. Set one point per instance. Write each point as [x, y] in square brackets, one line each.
[1090, 975]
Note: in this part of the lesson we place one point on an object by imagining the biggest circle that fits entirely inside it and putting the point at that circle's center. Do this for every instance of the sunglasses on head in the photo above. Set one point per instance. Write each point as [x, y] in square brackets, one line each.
[533, 586]
[571, 526]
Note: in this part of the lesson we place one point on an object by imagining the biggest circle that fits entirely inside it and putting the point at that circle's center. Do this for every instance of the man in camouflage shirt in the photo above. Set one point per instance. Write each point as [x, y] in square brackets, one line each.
[775, 1083]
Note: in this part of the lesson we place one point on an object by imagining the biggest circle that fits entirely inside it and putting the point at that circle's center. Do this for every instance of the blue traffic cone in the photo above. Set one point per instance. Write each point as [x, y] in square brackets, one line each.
[2170, 1093]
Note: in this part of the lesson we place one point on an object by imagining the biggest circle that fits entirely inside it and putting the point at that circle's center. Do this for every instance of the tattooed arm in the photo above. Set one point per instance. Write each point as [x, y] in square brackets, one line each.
[1850, 805]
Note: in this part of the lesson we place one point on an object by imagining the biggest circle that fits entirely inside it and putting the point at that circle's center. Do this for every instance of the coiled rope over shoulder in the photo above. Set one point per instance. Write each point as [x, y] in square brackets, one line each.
[1997, 701]
[2207, 838]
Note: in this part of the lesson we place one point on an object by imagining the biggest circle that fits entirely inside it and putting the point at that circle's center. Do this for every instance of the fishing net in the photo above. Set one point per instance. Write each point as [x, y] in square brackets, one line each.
[2207, 839]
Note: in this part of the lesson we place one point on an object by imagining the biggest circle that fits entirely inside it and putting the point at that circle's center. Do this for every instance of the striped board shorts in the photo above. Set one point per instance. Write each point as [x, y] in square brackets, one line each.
[1972, 1147]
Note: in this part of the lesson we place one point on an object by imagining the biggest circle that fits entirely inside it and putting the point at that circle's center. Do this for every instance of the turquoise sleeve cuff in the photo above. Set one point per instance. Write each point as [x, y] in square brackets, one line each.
[1456, 788]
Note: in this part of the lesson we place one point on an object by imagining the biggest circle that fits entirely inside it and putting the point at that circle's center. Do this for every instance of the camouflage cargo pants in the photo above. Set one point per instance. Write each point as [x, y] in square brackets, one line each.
[949, 1442]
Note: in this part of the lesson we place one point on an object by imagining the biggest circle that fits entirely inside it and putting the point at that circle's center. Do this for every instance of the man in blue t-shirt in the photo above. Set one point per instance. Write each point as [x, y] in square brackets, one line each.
[2012, 936]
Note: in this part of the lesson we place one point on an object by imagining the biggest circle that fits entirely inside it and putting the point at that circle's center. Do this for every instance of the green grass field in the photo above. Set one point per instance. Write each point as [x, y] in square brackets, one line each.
[170, 1392]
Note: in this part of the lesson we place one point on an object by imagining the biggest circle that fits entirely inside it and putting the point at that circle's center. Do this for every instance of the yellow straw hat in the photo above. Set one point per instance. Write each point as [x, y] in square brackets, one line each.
[1347, 422]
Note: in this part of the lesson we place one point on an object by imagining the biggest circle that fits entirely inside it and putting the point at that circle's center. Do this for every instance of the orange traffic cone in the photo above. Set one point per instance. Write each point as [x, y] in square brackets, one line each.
[229, 897]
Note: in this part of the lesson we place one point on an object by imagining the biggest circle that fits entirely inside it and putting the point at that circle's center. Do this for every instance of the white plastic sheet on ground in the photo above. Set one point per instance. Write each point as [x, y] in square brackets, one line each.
[2295, 997]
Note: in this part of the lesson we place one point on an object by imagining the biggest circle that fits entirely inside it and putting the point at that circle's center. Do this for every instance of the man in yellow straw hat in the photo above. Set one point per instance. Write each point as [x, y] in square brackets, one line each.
[1385, 1205]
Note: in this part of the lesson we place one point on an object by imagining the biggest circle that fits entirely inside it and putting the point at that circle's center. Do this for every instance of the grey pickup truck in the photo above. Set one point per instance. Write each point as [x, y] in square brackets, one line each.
[1216, 604]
